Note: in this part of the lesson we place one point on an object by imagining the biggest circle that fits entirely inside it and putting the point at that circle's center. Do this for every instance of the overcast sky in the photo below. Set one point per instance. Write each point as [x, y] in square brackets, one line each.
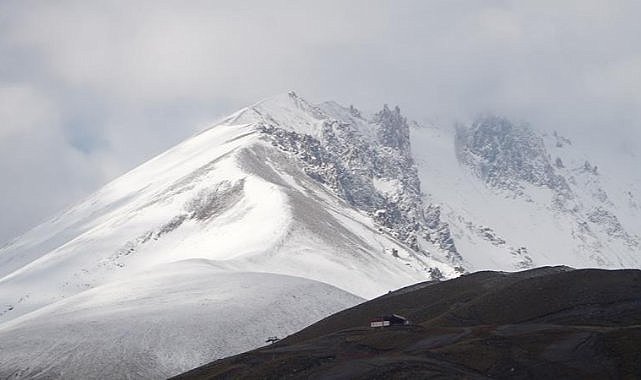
[90, 89]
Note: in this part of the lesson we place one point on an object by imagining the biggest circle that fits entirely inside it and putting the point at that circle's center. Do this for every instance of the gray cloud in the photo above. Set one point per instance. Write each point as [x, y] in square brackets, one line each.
[90, 89]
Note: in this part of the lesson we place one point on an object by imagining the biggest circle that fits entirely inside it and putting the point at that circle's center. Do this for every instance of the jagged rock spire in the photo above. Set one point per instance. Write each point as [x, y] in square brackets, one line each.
[394, 132]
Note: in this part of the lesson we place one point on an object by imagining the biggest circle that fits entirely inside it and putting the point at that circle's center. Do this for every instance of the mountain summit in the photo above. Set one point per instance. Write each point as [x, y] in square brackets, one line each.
[287, 207]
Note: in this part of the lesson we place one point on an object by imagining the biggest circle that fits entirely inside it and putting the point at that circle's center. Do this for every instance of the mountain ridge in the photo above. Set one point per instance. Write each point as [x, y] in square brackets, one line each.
[364, 204]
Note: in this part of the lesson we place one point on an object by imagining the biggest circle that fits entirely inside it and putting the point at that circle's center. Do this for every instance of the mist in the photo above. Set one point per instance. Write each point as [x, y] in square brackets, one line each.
[88, 90]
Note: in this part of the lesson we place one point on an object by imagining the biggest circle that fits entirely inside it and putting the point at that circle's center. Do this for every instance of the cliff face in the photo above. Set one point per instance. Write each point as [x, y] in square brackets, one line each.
[369, 164]
[557, 184]
[506, 155]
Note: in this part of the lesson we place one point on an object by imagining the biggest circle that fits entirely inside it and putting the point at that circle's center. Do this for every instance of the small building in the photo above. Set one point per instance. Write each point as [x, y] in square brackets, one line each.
[389, 320]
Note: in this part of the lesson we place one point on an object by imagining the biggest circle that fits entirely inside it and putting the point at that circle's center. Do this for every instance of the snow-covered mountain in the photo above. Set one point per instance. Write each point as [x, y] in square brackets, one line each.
[288, 206]
[264, 191]
[515, 197]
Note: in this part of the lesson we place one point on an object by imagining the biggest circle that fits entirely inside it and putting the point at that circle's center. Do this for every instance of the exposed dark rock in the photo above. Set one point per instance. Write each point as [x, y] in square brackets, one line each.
[507, 155]
[349, 163]
[211, 202]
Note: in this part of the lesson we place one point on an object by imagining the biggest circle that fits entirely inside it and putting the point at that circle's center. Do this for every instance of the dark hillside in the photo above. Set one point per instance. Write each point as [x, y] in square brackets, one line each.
[551, 322]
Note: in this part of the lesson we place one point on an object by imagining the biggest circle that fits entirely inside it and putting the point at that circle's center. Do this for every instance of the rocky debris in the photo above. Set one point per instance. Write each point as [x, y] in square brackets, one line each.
[521, 255]
[526, 261]
[559, 163]
[631, 200]
[438, 232]
[174, 223]
[560, 141]
[590, 169]
[355, 112]
[488, 234]
[213, 201]
[612, 226]
[207, 204]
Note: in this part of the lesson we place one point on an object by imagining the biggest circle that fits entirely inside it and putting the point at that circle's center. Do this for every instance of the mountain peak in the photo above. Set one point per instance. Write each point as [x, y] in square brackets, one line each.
[292, 188]
[287, 110]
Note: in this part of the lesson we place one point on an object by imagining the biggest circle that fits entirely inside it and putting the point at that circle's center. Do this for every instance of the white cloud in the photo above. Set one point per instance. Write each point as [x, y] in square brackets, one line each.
[500, 24]
[23, 110]
[162, 50]
[40, 172]
[92, 88]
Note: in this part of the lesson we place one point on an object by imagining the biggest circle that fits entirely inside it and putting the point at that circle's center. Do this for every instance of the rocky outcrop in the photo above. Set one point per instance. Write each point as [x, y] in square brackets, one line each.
[510, 156]
[372, 172]
[507, 155]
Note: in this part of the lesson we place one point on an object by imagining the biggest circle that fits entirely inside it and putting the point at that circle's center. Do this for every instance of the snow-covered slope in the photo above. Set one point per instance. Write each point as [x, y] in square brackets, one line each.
[362, 203]
[227, 195]
[280, 187]
[518, 198]
[162, 323]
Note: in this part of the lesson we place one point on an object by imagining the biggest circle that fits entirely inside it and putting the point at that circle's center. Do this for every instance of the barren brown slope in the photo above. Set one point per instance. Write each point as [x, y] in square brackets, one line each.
[543, 323]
